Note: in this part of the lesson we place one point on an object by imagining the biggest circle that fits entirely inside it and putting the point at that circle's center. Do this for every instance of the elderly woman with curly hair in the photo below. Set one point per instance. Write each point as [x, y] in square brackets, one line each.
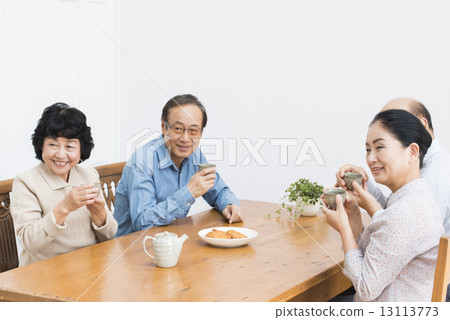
[55, 205]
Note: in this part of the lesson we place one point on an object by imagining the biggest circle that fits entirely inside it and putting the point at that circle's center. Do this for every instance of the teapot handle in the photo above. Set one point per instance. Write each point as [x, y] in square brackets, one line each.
[143, 243]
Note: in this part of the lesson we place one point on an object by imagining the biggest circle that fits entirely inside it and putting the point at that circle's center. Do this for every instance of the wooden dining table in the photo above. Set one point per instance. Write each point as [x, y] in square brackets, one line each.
[291, 259]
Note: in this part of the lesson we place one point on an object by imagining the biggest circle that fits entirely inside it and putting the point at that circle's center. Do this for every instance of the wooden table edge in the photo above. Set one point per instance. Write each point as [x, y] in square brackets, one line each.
[14, 296]
[309, 290]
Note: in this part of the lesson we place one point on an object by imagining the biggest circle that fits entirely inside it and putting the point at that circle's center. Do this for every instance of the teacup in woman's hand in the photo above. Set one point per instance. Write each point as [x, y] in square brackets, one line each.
[98, 186]
[93, 185]
[329, 196]
[349, 177]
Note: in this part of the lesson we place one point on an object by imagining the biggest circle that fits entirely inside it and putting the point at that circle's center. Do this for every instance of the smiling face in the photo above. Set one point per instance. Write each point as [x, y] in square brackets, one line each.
[390, 162]
[61, 155]
[182, 145]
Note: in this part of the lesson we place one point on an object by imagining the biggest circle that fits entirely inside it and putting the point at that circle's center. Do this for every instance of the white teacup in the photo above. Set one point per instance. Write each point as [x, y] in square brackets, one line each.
[96, 185]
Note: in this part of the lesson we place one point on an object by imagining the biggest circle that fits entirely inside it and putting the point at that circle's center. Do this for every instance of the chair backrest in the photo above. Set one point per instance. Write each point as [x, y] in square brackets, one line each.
[441, 276]
[110, 175]
[8, 248]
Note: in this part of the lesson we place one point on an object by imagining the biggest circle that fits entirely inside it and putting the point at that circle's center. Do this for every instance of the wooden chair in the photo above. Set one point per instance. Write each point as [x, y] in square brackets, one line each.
[110, 175]
[441, 276]
[8, 248]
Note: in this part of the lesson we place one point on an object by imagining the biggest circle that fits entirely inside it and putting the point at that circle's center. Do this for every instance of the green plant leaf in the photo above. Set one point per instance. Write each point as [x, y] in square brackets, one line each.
[303, 190]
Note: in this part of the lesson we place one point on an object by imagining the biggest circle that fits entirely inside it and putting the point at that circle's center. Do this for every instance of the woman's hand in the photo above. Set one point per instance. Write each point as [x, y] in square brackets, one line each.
[97, 210]
[75, 199]
[351, 206]
[339, 220]
[365, 199]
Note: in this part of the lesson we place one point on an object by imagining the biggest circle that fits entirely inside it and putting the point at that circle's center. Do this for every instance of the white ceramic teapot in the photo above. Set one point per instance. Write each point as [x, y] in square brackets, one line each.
[166, 248]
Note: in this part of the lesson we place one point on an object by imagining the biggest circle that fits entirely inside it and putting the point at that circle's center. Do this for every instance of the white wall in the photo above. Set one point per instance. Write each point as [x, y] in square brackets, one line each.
[50, 51]
[337, 63]
[316, 69]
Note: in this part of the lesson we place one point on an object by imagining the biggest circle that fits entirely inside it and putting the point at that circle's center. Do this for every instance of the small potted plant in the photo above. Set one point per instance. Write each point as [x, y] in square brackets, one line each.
[306, 195]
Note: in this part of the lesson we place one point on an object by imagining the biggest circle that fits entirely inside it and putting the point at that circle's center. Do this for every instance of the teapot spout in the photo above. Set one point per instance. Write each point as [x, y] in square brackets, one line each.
[183, 238]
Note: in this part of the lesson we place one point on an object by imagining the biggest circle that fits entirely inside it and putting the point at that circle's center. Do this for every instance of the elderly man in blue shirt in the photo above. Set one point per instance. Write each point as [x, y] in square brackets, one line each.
[161, 181]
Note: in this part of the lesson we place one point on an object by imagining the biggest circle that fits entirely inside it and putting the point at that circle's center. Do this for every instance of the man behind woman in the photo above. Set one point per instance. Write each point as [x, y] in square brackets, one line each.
[436, 165]
[394, 257]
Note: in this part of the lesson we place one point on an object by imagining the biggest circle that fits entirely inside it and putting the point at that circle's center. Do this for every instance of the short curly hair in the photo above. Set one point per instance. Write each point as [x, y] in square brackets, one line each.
[61, 120]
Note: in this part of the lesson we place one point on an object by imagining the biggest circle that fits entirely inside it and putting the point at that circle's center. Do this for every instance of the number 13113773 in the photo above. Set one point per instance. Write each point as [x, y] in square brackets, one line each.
[409, 311]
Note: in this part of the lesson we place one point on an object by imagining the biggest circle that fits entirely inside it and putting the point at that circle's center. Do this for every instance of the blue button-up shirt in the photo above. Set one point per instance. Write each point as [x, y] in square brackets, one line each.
[153, 191]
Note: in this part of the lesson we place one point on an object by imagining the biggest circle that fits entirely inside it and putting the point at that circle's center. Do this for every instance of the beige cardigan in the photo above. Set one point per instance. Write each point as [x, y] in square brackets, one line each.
[34, 195]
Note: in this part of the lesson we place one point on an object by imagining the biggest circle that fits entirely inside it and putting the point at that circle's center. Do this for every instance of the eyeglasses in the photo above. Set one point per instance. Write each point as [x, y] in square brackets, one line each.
[193, 132]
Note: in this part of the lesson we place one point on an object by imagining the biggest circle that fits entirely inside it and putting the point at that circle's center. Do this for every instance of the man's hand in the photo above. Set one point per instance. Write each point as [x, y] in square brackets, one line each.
[201, 182]
[233, 213]
[349, 168]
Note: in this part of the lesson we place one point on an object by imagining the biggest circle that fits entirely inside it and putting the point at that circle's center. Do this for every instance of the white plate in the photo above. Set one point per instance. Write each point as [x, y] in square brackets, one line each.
[228, 243]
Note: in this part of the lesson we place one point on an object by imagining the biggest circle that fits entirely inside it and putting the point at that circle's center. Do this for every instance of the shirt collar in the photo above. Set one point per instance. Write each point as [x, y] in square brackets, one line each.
[412, 186]
[55, 182]
[165, 160]
[432, 150]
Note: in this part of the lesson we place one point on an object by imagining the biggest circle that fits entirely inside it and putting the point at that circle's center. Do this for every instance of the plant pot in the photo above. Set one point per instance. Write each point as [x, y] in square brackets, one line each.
[308, 210]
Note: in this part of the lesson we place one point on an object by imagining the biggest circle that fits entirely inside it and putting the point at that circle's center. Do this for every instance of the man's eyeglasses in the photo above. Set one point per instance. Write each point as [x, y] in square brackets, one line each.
[193, 132]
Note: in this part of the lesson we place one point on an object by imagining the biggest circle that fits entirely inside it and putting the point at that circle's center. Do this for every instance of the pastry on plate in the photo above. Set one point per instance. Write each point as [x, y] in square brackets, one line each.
[230, 234]
[217, 234]
[236, 235]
